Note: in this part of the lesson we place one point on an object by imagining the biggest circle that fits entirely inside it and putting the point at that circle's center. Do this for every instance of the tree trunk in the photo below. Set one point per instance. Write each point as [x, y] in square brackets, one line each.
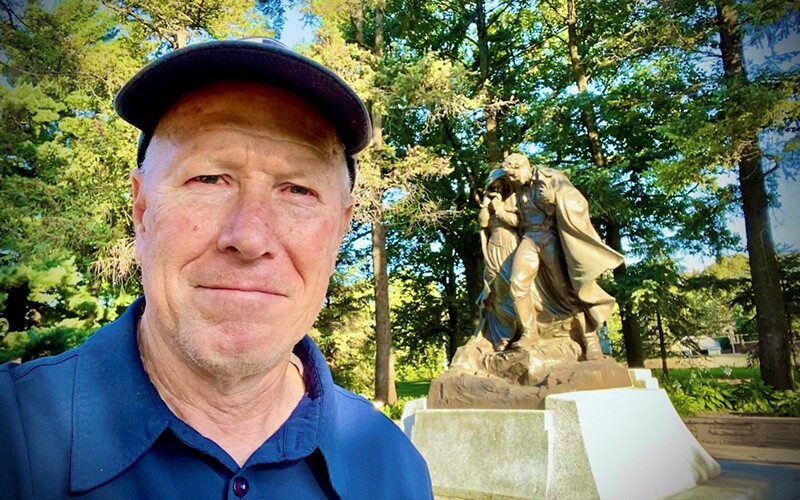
[634, 353]
[17, 307]
[385, 390]
[490, 137]
[631, 336]
[451, 289]
[472, 258]
[384, 367]
[582, 81]
[662, 344]
[774, 350]
[181, 37]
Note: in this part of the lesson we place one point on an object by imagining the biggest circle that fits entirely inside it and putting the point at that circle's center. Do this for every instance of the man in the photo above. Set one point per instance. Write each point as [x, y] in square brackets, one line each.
[558, 259]
[208, 387]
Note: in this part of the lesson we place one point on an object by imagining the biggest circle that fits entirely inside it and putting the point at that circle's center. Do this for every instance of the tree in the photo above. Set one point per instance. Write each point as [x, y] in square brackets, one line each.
[727, 133]
[63, 168]
[774, 352]
[663, 306]
[385, 169]
[729, 280]
[65, 156]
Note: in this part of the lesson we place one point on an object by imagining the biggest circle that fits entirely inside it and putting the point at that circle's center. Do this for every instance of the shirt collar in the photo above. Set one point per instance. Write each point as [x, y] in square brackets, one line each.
[321, 389]
[116, 420]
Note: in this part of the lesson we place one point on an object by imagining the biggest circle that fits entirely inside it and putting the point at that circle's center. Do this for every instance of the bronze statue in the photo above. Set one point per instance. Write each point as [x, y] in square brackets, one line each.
[558, 260]
[541, 305]
[499, 220]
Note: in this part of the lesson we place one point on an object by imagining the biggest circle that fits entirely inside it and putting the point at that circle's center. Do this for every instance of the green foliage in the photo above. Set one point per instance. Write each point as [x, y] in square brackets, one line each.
[38, 342]
[699, 393]
[702, 391]
[786, 403]
[727, 285]
[725, 373]
[395, 411]
[344, 331]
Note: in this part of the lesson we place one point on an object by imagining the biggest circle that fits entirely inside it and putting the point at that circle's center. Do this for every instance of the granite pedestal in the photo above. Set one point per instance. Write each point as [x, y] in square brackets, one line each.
[613, 443]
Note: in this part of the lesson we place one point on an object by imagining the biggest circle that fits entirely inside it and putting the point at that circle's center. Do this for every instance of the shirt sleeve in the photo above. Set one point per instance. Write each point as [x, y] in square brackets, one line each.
[15, 476]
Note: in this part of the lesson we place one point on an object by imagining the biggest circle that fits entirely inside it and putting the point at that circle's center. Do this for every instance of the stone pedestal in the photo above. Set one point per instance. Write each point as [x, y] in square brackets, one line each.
[612, 443]
[475, 454]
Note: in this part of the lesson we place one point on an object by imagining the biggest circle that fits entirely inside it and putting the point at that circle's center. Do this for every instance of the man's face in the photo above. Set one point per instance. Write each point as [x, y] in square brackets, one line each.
[518, 171]
[239, 215]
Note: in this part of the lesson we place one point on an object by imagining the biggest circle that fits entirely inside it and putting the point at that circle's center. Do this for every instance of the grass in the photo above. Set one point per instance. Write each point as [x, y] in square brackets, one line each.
[734, 372]
[413, 388]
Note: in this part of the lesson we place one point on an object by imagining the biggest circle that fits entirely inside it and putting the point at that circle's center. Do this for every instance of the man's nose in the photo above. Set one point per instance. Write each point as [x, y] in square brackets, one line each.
[249, 228]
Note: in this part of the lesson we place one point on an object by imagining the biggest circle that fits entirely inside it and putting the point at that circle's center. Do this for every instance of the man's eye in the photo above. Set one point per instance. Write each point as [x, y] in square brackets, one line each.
[299, 190]
[208, 179]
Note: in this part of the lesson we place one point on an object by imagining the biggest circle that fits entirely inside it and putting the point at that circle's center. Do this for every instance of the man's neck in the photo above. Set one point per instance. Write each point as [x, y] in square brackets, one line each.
[237, 414]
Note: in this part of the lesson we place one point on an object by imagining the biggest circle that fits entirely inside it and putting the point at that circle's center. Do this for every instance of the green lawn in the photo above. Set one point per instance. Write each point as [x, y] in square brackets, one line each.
[736, 372]
[413, 388]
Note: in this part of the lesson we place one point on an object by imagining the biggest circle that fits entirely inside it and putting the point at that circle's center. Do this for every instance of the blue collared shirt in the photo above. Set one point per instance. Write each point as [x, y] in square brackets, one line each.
[90, 424]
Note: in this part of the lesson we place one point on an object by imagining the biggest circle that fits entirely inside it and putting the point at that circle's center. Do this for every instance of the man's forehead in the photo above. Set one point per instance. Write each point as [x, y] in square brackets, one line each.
[261, 109]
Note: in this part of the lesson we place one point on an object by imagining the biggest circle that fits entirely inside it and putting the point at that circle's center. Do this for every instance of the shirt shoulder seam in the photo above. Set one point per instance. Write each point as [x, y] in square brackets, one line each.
[354, 397]
[25, 369]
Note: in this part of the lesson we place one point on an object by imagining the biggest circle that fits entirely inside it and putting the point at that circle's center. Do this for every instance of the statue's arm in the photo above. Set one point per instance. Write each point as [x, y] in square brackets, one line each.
[484, 216]
[484, 242]
[507, 215]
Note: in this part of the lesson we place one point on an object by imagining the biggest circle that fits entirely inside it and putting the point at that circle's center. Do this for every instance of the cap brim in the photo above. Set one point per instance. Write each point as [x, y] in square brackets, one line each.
[147, 96]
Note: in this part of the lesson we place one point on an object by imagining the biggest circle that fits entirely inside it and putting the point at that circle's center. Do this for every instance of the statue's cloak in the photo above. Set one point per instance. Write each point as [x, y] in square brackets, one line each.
[587, 257]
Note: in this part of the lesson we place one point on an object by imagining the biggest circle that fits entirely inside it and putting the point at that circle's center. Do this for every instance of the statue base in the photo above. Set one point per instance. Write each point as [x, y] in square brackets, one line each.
[613, 443]
[479, 377]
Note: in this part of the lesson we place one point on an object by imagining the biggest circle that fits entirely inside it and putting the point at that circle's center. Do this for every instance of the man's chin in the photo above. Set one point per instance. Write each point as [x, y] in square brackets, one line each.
[223, 367]
[236, 361]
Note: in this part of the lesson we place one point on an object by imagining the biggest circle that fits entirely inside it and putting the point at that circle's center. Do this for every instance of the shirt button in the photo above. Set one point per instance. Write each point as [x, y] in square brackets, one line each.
[240, 486]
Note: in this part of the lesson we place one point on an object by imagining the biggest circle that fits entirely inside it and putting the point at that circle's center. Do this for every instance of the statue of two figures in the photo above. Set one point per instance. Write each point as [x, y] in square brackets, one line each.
[542, 259]
[541, 306]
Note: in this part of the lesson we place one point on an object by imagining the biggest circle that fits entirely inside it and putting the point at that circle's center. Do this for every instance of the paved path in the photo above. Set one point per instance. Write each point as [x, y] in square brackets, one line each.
[775, 456]
[746, 481]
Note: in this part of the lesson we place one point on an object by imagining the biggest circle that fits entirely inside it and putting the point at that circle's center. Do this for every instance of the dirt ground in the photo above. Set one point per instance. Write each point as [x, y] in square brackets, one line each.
[701, 361]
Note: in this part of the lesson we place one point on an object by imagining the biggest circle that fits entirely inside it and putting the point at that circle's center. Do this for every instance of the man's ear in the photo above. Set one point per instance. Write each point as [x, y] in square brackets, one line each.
[139, 203]
[348, 217]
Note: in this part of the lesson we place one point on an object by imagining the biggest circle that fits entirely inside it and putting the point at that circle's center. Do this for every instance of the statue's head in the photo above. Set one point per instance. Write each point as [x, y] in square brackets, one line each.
[498, 183]
[518, 168]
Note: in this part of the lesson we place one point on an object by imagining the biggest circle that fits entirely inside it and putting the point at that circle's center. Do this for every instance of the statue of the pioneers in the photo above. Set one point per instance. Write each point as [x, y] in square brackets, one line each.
[541, 305]
[552, 271]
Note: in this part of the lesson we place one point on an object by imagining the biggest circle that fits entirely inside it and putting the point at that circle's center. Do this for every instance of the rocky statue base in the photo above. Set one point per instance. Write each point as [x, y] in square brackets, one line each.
[480, 377]
[614, 443]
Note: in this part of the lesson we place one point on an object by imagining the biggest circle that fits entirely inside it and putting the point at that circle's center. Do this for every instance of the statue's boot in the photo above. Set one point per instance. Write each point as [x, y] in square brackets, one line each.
[591, 345]
[500, 345]
[528, 338]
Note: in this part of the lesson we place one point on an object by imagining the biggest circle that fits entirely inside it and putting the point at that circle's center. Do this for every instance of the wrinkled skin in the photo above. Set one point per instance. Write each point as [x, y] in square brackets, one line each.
[239, 212]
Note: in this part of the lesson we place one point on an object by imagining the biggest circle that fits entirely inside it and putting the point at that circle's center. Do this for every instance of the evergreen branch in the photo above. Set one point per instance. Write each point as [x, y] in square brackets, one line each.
[138, 18]
[555, 10]
[11, 15]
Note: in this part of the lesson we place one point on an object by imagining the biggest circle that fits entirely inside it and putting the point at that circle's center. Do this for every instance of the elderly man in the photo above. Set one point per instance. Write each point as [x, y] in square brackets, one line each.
[208, 387]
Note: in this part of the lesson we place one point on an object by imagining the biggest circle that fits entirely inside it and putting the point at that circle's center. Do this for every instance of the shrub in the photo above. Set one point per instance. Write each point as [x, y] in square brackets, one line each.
[395, 411]
[702, 392]
[38, 342]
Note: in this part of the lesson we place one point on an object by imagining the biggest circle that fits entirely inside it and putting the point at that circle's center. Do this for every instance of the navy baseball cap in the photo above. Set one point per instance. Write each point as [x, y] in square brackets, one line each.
[145, 98]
